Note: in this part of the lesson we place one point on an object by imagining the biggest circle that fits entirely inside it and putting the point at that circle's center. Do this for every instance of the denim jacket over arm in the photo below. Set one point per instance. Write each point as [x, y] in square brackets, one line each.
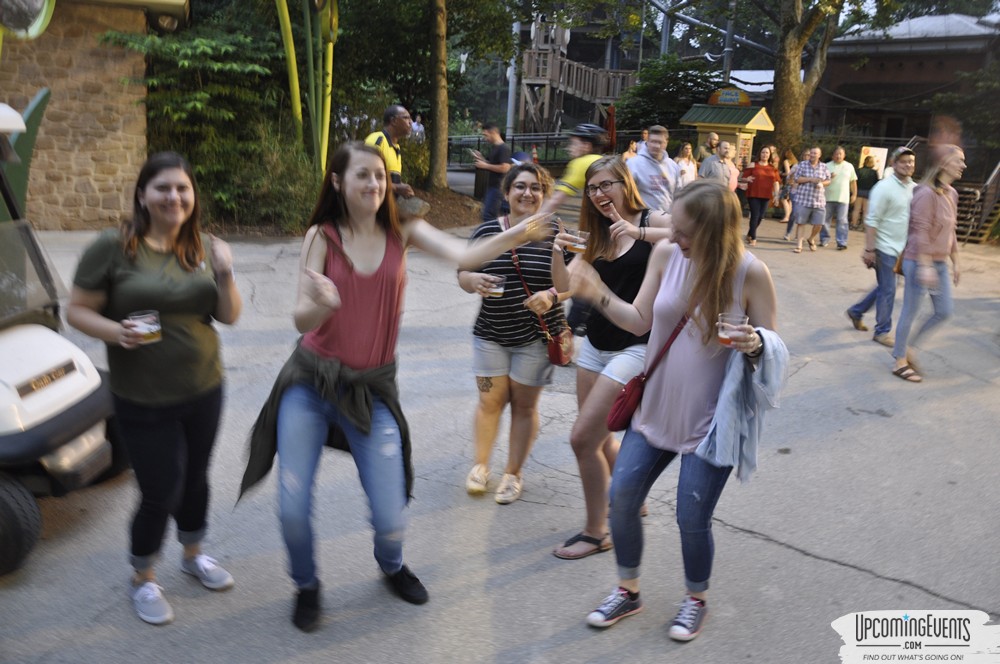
[746, 394]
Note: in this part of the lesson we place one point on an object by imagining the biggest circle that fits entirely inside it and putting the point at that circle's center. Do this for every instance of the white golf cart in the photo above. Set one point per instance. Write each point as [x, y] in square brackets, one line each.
[54, 404]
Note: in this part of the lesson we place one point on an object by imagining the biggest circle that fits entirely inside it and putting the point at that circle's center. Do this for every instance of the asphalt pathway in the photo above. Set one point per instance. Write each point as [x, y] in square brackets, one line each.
[871, 494]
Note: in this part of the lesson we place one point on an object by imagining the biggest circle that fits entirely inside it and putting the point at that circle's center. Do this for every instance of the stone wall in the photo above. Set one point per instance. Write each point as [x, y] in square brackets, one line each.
[92, 140]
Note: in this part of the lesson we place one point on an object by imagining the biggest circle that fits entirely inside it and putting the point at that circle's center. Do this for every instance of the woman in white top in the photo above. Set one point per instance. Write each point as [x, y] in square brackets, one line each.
[705, 272]
[689, 167]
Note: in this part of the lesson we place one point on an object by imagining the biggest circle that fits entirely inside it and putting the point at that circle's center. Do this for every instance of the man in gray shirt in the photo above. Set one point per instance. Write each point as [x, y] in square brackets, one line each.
[655, 173]
[719, 167]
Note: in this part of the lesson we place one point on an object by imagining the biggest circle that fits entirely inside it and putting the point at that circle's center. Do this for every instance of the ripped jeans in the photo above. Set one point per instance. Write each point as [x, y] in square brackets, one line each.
[698, 489]
[304, 421]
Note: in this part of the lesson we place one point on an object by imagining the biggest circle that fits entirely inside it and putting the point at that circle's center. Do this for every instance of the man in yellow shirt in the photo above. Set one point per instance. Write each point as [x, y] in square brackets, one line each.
[584, 147]
[586, 141]
[396, 125]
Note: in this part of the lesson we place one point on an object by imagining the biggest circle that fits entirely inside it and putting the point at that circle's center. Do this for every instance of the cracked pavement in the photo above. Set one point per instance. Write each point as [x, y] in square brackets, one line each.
[871, 494]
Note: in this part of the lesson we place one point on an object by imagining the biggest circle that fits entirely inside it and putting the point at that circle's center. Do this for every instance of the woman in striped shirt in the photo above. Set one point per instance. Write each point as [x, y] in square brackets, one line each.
[509, 347]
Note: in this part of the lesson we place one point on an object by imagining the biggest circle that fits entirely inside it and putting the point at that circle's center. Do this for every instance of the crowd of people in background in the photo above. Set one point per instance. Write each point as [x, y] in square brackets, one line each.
[657, 257]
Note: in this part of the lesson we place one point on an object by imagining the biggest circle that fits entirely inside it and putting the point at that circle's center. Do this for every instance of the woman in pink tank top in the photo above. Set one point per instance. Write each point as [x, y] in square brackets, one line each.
[339, 386]
[705, 272]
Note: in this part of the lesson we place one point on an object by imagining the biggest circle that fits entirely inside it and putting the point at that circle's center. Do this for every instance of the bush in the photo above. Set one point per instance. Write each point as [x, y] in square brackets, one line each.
[416, 162]
[217, 93]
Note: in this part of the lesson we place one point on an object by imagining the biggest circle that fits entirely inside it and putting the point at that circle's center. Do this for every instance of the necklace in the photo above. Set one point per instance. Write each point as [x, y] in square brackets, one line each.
[161, 247]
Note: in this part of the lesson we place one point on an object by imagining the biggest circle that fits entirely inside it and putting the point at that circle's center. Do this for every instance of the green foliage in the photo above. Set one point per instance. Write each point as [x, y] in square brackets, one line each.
[975, 109]
[665, 92]
[482, 91]
[210, 89]
[358, 109]
[416, 161]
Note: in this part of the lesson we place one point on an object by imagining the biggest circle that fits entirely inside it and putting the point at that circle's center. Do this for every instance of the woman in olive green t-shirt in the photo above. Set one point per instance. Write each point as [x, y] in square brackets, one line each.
[167, 382]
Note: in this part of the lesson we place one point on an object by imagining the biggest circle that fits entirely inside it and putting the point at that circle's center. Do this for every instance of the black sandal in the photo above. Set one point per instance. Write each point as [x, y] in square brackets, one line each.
[600, 545]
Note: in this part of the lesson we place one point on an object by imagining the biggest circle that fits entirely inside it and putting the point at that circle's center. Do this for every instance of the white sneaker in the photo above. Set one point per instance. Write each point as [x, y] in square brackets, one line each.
[509, 489]
[208, 571]
[150, 604]
[475, 483]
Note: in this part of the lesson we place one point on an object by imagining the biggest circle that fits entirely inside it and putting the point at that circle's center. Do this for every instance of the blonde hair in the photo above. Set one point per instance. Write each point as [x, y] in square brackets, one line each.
[942, 154]
[716, 250]
[592, 221]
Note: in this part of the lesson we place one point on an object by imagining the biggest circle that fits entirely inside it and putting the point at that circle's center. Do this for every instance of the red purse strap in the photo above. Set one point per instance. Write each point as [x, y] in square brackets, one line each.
[666, 346]
[517, 268]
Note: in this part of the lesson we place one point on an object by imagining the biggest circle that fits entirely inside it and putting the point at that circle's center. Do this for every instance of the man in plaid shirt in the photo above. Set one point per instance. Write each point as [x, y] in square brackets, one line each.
[809, 197]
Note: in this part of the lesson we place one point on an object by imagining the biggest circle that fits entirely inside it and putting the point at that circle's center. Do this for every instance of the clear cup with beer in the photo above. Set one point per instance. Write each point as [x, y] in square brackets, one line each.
[579, 243]
[497, 287]
[147, 323]
[726, 327]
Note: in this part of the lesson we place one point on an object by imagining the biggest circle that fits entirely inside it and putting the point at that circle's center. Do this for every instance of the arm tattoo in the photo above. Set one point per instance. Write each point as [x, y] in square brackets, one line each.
[484, 383]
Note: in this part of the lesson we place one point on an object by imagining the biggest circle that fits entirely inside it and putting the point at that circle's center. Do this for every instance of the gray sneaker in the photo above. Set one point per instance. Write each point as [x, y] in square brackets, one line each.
[207, 570]
[150, 604]
[687, 625]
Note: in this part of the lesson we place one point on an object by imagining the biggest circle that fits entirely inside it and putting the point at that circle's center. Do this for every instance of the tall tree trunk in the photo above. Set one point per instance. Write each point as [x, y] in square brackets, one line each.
[791, 91]
[438, 176]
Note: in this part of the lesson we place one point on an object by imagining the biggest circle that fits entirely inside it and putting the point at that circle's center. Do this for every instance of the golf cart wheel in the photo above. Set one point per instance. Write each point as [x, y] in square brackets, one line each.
[20, 523]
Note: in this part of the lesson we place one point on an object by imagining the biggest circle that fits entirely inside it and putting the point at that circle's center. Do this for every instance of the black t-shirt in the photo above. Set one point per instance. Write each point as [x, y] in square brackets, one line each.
[623, 276]
[499, 154]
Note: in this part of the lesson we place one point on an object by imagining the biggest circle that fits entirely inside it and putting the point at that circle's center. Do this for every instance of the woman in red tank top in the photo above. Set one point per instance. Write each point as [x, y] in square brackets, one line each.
[340, 383]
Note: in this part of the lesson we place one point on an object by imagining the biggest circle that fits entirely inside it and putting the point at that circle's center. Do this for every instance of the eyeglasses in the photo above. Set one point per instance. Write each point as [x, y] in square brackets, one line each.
[603, 186]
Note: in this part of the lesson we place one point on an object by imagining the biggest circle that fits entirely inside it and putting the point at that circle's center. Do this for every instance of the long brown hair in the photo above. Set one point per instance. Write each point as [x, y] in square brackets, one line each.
[331, 207]
[592, 221]
[716, 250]
[187, 247]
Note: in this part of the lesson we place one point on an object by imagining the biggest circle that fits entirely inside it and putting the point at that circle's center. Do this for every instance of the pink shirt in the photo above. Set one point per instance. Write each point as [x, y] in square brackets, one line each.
[362, 333]
[680, 397]
[933, 222]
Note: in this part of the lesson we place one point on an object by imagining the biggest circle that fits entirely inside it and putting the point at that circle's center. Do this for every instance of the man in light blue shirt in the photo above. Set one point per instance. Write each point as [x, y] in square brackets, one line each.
[885, 237]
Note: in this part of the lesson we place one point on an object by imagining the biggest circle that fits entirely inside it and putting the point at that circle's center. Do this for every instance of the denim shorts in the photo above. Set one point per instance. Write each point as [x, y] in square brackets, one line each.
[619, 365]
[528, 365]
[810, 216]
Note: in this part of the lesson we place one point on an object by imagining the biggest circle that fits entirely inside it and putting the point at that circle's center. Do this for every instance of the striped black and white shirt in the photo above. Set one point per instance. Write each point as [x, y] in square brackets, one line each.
[504, 320]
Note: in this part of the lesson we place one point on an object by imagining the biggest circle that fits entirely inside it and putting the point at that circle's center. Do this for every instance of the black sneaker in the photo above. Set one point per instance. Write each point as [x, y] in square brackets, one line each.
[307, 608]
[615, 606]
[687, 625]
[405, 584]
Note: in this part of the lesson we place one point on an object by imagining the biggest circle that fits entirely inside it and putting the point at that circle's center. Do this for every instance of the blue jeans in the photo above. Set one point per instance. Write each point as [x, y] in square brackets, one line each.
[758, 208]
[913, 293]
[836, 211]
[304, 421]
[882, 296]
[491, 203]
[698, 489]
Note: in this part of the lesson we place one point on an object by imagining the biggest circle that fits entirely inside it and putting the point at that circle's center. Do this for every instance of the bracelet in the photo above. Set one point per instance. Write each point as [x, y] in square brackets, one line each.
[555, 296]
[642, 233]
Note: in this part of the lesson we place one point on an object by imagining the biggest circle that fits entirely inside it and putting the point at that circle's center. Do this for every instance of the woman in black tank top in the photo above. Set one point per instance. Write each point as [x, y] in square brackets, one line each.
[622, 233]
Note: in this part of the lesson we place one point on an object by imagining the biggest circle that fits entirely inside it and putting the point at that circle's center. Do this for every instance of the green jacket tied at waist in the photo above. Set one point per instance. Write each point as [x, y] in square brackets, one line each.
[353, 392]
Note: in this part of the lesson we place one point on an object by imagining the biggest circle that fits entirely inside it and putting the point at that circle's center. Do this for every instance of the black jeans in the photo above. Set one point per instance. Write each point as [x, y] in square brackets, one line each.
[170, 448]
[758, 208]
